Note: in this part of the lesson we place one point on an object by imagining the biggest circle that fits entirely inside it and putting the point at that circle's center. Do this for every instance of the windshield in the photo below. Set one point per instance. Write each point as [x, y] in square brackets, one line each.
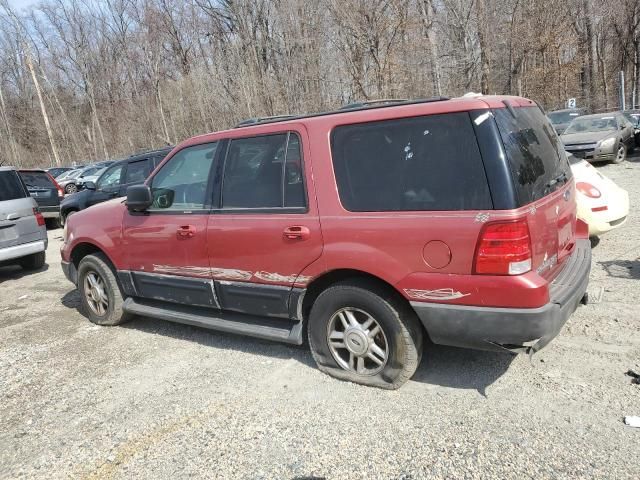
[71, 174]
[562, 117]
[587, 125]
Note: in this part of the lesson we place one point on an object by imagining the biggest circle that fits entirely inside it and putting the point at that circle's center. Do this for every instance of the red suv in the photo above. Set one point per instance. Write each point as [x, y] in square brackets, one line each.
[364, 229]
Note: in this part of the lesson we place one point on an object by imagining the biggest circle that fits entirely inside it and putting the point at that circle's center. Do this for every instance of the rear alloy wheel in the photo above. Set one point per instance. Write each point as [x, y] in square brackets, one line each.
[71, 188]
[100, 295]
[621, 154]
[362, 333]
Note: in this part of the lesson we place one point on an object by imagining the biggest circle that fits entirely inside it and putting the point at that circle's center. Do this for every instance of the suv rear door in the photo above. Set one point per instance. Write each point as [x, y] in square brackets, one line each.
[18, 223]
[41, 187]
[266, 228]
[543, 180]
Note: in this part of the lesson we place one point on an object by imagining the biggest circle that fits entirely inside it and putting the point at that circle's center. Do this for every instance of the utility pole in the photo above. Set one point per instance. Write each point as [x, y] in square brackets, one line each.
[621, 90]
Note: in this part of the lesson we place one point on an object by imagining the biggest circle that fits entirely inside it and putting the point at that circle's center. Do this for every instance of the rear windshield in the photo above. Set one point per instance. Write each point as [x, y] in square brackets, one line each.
[536, 157]
[420, 163]
[562, 117]
[10, 186]
[37, 179]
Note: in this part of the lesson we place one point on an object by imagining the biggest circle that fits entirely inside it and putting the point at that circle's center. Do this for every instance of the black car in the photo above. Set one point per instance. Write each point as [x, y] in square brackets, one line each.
[114, 181]
[55, 171]
[46, 192]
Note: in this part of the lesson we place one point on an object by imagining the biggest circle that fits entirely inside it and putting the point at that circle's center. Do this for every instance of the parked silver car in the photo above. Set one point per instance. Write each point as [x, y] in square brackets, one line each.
[23, 234]
[603, 137]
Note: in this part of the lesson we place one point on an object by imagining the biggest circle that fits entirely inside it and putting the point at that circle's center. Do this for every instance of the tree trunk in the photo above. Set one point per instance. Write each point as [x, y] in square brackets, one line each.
[7, 126]
[43, 108]
[482, 43]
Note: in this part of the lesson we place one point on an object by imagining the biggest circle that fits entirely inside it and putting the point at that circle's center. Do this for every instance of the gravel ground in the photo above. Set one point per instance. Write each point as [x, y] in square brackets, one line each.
[158, 400]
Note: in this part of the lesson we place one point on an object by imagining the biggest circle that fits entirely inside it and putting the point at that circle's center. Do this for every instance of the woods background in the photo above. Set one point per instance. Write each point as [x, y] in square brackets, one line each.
[84, 80]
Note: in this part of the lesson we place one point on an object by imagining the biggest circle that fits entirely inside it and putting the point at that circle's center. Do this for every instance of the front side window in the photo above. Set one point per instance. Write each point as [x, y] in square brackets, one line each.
[137, 172]
[110, 178]
[264, 172]
[421, 163]
[181, 183]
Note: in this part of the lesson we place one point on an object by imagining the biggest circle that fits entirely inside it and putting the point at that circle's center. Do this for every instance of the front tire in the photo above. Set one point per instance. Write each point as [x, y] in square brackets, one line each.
[34, 261]
[71, 188]
[621, 154]
[100, 296]
[360, 333]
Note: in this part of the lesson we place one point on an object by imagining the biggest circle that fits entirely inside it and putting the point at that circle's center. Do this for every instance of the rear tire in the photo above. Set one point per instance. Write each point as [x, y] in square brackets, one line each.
[621, 154]
[363, 334]
[100, 296]
[34, 261]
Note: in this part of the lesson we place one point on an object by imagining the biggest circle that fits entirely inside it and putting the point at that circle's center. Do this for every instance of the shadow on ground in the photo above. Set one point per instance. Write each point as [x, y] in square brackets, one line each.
[445, 366]
[629, 269]
[15, 272]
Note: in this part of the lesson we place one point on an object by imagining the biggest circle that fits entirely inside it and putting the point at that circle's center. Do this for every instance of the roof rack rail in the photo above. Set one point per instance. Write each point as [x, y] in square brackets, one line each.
[352, 107]
[254, 121]
[370, 103]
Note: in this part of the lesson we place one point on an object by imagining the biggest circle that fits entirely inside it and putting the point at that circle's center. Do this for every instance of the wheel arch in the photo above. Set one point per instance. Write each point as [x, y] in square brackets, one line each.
[327, 279]
[83, 249]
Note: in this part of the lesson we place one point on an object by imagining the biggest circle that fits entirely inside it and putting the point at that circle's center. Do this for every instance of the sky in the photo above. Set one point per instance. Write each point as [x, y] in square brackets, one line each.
[21, 4]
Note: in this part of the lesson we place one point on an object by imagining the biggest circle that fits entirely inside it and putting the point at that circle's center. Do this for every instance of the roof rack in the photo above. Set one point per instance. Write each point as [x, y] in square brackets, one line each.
[352, 107]
[253, 121]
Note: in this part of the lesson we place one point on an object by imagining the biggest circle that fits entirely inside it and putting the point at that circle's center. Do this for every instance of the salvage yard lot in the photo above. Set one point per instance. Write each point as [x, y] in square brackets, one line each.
[153, 399]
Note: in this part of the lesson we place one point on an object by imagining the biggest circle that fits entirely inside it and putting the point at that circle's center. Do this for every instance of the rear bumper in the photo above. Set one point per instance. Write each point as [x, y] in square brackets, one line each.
[49, 211]
[19, 251]
[513, 329]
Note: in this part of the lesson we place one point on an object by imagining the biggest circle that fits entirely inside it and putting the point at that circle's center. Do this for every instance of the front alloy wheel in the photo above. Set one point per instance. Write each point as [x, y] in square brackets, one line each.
[95, 294]
[621, 154]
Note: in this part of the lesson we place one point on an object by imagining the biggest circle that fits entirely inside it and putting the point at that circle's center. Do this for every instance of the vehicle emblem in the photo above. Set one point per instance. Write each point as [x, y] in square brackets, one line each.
[566, 195]
[482, 217]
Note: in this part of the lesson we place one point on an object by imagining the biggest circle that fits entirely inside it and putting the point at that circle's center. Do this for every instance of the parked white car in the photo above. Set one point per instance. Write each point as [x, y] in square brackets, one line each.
[602, 204]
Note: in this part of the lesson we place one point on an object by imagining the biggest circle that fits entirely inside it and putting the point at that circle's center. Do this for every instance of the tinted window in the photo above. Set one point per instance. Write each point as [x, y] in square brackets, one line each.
[256, 174]
[110, 178]
[37, 179]
[181, 183]
[421, 163]
[10, 186]
[137, 172]
[535, 154]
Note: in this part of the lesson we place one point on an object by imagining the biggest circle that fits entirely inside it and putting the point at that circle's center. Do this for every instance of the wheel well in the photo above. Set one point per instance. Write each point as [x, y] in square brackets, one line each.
[318, 285]
[82, 250]
[66, 212]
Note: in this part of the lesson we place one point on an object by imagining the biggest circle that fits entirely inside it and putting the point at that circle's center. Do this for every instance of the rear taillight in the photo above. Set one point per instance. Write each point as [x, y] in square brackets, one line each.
[39, 217]
[58, 187]
[588, 190]
[504, 248]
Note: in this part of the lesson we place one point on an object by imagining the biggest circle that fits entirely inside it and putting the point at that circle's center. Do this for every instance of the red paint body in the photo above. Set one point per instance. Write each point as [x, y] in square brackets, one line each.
[388, 245]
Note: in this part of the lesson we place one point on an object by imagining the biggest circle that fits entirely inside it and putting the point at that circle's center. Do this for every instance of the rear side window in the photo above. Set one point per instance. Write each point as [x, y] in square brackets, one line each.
[37, 179]
[420, 163]
[264, 172]
[10, 186]
[536, 157]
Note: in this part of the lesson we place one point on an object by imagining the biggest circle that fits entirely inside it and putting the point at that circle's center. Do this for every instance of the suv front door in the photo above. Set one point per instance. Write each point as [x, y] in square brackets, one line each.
[265, 229]
[167, 244]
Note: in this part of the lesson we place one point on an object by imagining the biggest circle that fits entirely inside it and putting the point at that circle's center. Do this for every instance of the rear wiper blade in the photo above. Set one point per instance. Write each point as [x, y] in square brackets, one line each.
[562, 178]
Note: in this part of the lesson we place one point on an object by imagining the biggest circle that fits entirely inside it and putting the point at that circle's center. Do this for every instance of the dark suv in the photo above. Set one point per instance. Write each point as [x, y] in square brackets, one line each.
[113, 182]
[365, 229]
[47, 193]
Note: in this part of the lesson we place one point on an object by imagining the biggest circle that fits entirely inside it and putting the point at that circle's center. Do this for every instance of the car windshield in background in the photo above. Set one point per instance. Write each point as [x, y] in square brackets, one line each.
[36, 179]
[562, 117]
[10, 186]
[90, 171]
[588, 125]
[536, 157]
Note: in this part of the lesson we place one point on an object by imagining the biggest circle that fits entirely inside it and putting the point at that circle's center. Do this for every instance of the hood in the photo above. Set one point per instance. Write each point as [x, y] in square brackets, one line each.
[75, 198]
[586, 137]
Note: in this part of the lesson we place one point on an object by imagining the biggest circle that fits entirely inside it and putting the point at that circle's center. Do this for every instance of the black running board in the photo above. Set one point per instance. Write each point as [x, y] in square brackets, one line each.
[281, 330]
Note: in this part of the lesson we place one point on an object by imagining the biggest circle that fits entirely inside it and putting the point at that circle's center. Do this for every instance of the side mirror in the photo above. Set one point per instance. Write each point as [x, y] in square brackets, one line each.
[90, 185]
[139, 198]
[622, 127]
